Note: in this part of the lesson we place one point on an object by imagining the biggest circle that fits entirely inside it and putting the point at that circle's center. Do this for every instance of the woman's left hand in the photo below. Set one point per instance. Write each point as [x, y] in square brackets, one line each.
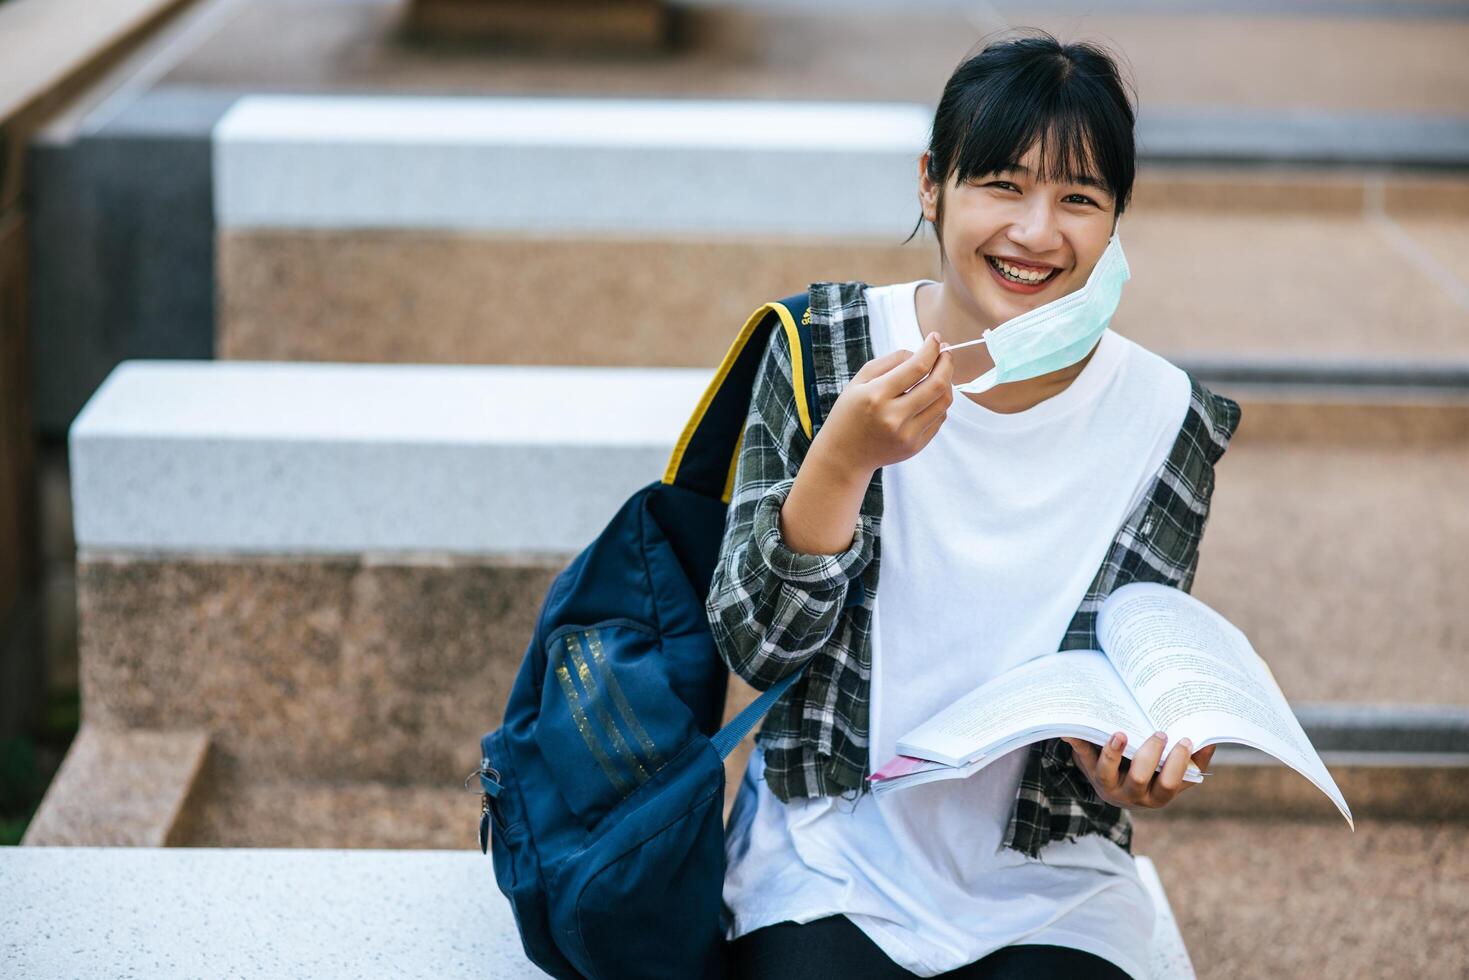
[1139, 785]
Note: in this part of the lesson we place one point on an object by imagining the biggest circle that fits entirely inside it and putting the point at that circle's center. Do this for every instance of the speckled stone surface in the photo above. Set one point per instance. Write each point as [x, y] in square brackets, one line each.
[1205, 280]
[465, 163]
[333, 670]
[1345, 566]
[538, 300]
[1288, 283]
[1359, 419]
[120, 788]
[1261, 899]
[205, 912]
[237, 803]
[1406, 786]
[1170, 957]
[191, 912]
[240, 806]
[347, 458]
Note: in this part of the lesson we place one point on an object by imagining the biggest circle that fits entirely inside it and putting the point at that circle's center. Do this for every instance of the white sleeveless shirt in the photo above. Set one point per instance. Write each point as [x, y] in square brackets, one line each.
[991, 535]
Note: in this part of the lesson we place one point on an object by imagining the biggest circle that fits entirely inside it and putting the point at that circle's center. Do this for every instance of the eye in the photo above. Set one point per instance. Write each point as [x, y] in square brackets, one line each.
[1005, 183]
[1083, 198]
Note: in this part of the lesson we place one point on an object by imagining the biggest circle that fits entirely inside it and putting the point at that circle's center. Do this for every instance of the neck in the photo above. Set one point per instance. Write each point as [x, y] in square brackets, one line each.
[957, 319]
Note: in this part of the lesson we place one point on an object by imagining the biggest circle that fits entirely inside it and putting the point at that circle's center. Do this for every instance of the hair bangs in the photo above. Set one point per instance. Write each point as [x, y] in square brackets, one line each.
[1072, 145]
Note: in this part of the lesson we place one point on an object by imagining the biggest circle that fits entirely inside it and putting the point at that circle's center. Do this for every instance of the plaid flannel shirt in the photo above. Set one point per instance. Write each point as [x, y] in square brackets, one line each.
[771, 609]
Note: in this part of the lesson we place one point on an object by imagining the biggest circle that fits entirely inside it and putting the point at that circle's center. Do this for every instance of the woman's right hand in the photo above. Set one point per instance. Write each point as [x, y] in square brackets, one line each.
[889, 410]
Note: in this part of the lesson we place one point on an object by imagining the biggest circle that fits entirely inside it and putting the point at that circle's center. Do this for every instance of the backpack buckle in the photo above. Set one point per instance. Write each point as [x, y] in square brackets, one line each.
[490, 774]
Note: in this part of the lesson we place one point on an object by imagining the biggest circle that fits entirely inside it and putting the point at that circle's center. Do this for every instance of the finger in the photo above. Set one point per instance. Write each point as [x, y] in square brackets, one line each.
[1109, 766]
[936, 385]
[879, 366]
[931, 392]
[1085, 753]
[926, 423]
[1140, 773]
[911, 371]
[1170, 780]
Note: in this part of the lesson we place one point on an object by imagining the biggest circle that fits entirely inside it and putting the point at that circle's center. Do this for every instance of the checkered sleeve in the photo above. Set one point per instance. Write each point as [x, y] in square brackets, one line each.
[771, 608]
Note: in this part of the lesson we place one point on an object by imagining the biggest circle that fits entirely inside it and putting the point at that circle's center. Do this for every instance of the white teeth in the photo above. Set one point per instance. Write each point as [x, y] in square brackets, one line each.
[1017, 273]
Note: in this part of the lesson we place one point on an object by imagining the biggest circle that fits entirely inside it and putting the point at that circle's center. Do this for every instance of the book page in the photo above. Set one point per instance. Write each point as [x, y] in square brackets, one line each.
[1072, 693]
[1197, 677]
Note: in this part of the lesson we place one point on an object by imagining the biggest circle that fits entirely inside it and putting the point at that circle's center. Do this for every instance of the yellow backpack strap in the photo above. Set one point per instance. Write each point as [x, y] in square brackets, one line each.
[707, 451]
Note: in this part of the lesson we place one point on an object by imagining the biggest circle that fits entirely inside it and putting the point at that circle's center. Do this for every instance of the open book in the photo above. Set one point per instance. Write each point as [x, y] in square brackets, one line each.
[1168, 663]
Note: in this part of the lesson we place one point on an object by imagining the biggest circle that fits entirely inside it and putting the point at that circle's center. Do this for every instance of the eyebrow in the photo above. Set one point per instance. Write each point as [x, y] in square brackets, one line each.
[1086, 180]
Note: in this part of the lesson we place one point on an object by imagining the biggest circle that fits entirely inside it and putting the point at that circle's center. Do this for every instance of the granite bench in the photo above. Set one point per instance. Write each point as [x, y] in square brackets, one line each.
[162, 913]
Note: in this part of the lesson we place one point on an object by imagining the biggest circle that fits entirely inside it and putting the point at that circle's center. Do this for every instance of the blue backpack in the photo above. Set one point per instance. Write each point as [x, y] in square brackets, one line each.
[603, 791]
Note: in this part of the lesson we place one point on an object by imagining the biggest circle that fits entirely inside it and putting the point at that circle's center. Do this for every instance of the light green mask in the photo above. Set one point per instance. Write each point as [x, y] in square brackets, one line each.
[1055, 335]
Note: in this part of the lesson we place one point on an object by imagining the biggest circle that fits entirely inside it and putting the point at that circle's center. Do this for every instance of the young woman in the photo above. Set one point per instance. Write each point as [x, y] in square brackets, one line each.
[1005, 512]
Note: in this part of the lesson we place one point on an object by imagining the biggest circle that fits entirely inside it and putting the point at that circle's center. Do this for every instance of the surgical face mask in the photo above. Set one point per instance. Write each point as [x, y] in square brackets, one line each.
[1055, 335]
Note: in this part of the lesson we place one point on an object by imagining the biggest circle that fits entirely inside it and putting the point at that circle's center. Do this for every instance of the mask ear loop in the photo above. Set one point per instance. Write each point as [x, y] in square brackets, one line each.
[967, 343]
[970, 343]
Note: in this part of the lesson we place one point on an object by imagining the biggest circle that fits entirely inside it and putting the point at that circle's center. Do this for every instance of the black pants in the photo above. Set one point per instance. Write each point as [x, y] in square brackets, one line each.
[835, 947]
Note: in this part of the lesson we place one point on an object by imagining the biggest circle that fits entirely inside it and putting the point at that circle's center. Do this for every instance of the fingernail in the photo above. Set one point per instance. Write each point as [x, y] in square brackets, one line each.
[1162, 735]
[1188, 746]
[1117, 739]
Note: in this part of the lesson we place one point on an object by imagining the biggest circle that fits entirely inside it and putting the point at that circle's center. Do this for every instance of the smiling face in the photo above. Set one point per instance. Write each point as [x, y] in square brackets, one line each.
[1011, 241]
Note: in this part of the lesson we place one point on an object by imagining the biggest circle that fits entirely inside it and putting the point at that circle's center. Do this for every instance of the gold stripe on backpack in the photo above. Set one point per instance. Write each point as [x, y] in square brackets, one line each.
[579, 716]
[619, 700]
[599, 709]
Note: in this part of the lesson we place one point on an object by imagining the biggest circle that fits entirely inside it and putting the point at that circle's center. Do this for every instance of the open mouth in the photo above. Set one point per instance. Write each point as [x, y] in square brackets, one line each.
[1022, 275]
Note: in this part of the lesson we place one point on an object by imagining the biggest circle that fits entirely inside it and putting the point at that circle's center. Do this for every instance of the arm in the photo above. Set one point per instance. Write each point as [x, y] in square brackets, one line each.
[794, 536]
[774, 601]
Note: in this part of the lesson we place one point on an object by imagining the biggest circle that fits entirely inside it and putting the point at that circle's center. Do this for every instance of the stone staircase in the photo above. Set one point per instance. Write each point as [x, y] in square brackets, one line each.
[303, 587]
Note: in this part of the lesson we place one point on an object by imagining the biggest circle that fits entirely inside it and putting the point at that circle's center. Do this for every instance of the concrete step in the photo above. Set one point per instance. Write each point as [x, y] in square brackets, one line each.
[326, 241]
[1310, 502]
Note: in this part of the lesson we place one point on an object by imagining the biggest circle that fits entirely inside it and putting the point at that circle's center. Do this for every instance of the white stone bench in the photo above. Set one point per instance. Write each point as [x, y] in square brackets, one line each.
[215, 456]
[161, 913]
[617, 165]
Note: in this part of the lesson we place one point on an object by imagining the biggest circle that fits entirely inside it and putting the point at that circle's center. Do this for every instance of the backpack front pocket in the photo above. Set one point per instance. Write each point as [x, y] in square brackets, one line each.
[608, 719]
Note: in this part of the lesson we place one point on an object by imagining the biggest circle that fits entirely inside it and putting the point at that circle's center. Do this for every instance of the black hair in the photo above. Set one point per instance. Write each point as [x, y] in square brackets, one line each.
[1015, 93]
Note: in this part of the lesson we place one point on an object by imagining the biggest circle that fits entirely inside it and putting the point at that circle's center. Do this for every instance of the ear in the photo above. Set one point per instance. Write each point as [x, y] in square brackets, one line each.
[928, 190]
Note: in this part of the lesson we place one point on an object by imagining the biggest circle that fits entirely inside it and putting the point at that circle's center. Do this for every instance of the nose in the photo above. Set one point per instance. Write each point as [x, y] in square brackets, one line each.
[1036, 230]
